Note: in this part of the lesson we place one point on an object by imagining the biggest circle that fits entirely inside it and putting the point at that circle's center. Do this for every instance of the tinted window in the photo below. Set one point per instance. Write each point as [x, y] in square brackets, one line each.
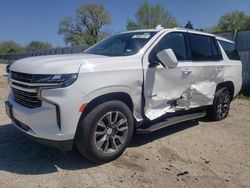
[174, 41]
[121, 44]
[230, 50]
[204, 48]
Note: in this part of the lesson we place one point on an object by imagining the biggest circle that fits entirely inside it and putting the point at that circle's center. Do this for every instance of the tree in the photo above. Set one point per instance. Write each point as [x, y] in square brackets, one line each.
[8, 47]
[189, 25]
[230, 22]
[247, 26]
[234, 20]
[149, 16]
[85, 29]
[37, 45]
[212, 29]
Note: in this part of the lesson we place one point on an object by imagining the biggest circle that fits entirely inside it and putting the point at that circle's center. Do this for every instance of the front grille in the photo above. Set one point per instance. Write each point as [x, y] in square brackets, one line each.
[23, 93]
[23, 85]
[23, 77]
[28, 99]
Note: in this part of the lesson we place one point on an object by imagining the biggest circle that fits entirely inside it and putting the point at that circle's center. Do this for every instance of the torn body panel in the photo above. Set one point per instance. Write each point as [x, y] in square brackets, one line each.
[189, 85]
[171, 90]
[202, 93]
[161, 87]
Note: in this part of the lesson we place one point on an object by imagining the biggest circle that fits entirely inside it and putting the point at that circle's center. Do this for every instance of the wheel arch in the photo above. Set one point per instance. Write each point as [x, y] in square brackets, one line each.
[229, 85]
[120, 96]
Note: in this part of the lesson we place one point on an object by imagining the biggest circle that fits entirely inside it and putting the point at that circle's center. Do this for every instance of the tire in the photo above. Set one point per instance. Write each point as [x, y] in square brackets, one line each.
[221, 105]
[105, 132]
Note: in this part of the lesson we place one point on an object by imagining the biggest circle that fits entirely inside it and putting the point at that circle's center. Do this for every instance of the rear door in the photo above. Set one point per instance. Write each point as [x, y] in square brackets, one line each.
[207, 68]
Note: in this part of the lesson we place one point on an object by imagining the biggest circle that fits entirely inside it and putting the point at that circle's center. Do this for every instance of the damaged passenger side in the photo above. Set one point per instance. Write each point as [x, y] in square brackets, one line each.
[186, 76]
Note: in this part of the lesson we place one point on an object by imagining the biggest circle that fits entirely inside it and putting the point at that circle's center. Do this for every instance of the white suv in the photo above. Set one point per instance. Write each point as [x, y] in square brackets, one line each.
[138, 81]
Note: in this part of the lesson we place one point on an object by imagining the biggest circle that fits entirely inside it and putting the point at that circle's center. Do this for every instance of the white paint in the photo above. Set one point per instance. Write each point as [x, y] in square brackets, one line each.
[188, 85]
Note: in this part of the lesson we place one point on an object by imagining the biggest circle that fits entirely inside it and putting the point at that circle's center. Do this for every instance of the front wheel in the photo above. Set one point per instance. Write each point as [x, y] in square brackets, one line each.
[220, 108]
[105, 132]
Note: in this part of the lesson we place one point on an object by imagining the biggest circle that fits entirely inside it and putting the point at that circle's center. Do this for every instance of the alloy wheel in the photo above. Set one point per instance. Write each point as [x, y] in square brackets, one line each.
[111, 132]
[223, 105]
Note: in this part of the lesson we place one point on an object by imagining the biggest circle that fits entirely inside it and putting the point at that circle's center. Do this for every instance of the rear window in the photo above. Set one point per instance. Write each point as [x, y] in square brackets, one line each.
[204, 48]
[230, 50]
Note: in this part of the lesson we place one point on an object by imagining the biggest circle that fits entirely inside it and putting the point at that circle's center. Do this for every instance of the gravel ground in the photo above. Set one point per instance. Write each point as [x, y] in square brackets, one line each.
[191, 154]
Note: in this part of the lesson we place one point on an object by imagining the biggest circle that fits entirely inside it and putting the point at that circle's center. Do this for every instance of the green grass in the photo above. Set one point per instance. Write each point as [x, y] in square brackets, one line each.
[241, 96]
[3, 61]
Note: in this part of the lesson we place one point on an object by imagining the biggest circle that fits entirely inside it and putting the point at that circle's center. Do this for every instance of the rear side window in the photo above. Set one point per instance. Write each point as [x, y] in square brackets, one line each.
[230, 50]
[204, 48]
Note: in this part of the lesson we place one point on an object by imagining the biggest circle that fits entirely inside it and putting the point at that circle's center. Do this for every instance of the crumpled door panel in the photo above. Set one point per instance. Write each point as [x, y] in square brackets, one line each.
[161, 88]
[170, 90]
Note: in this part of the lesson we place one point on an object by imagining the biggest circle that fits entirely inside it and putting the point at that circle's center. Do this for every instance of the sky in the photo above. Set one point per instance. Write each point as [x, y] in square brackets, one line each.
[25, 20]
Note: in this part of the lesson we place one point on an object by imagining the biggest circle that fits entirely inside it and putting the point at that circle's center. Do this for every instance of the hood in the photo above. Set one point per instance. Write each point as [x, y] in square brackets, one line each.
[53, 64]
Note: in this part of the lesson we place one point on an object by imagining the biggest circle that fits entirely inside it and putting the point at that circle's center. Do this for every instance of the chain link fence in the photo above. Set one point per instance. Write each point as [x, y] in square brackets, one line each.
[54, 51]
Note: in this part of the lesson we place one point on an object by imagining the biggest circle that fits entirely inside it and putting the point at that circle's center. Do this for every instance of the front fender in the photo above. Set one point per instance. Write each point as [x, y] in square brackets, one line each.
[135, 96]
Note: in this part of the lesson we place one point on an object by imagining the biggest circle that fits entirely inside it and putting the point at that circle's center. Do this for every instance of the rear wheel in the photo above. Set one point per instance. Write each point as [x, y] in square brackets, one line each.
[105, 132]
[220, 108]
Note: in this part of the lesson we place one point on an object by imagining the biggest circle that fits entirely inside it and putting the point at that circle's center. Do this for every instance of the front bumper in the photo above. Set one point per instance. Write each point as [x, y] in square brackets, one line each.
[63, 145]
[42, 123]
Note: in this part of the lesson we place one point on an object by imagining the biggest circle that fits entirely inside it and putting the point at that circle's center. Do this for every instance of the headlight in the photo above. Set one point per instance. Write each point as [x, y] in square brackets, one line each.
[63, 80]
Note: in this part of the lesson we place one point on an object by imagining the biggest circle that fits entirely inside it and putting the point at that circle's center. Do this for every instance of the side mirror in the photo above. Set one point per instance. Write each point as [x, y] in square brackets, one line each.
[167, 58]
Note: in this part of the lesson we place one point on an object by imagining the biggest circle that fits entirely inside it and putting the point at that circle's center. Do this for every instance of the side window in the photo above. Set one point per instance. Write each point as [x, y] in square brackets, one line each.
[230, 50]
[175, 41]
[204, 48]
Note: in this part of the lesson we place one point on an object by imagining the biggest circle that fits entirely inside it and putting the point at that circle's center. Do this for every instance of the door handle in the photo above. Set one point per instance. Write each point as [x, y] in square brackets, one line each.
[217, 69]
[186, 71]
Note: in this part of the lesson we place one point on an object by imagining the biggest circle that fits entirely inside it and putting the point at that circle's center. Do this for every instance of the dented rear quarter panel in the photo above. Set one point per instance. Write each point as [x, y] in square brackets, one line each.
[232, 72]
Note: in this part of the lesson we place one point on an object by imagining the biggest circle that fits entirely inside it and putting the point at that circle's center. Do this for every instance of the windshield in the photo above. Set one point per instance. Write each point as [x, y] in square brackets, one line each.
[124, 44]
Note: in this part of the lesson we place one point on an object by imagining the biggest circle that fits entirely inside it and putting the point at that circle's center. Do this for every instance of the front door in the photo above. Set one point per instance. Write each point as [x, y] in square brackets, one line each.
[167, 89]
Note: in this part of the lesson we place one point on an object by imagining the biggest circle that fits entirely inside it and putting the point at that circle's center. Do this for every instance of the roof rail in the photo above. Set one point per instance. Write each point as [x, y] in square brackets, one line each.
[195, 30]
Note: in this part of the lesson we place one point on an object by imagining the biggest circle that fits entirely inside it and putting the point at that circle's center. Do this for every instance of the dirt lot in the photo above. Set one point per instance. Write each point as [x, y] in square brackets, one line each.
[192, 154]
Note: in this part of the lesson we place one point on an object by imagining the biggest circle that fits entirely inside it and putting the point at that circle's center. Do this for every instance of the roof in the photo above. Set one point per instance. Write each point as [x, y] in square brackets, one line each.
[183, 30]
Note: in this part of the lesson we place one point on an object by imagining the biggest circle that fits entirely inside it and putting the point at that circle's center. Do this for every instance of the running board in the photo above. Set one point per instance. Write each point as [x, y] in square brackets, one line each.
[171, 121]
